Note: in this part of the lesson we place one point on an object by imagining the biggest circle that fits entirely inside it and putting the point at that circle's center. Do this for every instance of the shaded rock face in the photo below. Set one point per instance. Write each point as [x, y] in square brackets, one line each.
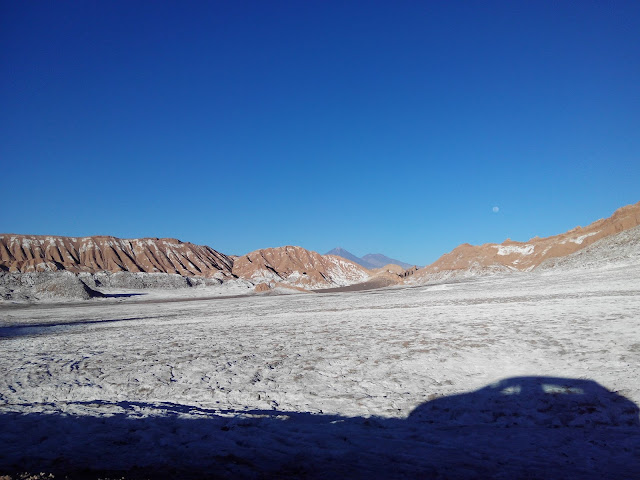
[35, 253]
[408, 272]
[298, 267]
[131, 280]
[470, 260]
[44, 286]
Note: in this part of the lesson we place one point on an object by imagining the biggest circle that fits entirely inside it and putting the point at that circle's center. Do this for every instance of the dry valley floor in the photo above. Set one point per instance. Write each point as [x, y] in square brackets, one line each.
[521, 376]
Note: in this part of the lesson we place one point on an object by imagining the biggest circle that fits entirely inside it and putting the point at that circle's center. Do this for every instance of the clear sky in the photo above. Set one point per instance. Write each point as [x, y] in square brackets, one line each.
[382, 127]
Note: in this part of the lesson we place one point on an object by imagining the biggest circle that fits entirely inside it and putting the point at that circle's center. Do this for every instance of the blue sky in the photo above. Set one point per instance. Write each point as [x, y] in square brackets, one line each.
[391, 127]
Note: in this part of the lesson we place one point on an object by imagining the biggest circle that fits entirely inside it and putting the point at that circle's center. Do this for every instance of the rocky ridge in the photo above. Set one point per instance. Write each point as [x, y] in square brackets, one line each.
[297, 267]
[469, 261]
[45, 267]
[38, 253]
[44, 286]
[613, 251]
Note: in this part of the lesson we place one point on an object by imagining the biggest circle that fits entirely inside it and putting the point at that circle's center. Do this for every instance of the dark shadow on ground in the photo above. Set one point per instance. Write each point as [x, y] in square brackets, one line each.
[49, 328]
[121, 295]
[372, 284]
[522, 428]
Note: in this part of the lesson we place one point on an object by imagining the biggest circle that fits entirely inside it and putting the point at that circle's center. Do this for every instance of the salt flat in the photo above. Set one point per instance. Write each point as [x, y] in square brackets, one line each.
[324, 385]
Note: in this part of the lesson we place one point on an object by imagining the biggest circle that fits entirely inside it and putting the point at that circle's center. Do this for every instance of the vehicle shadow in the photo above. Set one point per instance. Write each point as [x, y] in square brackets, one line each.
[523, 427]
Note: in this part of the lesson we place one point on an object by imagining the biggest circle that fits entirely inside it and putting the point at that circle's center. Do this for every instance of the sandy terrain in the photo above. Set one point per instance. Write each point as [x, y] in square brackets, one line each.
[388, 383]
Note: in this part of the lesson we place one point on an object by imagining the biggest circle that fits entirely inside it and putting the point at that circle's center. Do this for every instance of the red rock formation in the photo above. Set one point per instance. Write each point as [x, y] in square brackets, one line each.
[525, 256]
[298, 267]
[262, 287]
[35, 253]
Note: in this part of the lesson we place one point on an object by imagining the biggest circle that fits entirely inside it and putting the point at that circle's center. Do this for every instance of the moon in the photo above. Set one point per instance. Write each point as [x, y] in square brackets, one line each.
[495, 209]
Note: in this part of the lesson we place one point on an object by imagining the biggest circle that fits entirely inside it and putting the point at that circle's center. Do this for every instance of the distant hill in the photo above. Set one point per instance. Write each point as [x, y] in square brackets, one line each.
[472, 260]
[380, 260]
[341, 252]
[298, 267]
[370, 260]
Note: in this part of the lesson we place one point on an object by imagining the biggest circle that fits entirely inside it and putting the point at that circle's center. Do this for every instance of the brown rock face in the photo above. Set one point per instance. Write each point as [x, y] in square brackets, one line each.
[525, 256]
[298, 267]
[391, 268]
[35, 253]
[262, 287]
[409, 271]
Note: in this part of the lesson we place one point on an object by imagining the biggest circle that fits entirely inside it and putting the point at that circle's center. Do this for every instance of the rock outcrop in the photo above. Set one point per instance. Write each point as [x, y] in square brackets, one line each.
[298, 267]
[36, 286]
[35, 253]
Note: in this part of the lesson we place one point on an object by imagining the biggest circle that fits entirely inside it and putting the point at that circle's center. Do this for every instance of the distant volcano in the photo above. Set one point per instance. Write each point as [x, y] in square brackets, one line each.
[370, 260]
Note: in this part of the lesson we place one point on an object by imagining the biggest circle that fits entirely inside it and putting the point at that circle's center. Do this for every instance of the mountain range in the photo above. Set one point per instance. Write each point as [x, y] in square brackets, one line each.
[110, 261]
[370, 260]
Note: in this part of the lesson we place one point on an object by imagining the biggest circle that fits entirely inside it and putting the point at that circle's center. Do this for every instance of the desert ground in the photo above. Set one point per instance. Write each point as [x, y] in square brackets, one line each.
[528, 375]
